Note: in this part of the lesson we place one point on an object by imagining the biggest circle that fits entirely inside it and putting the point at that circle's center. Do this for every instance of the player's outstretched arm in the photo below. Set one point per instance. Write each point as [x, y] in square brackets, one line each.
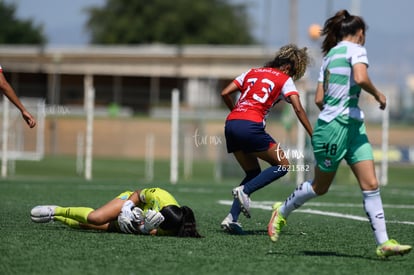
[11, 95]
[300, 113]
[362, 79]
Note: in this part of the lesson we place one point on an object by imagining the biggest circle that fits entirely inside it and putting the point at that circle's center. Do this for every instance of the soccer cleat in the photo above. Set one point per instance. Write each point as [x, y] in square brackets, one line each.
[236, 228]
[392, 248]
[232, 227]
[277, 221]
[42, 213]
[225, 223]
[243, 199]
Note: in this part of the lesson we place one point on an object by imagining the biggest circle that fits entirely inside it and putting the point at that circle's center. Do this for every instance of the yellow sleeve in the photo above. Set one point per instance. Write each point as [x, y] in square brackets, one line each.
[155, 199]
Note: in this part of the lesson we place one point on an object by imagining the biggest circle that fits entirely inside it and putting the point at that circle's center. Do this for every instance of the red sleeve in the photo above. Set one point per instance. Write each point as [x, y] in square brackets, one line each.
[237, 84]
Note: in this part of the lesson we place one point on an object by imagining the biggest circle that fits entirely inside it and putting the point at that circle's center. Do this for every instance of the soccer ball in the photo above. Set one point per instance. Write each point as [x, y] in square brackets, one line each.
[314, 31]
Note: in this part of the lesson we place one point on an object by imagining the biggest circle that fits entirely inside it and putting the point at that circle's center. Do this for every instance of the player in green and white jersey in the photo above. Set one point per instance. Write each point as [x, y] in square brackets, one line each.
[339, 132]
[339, 90]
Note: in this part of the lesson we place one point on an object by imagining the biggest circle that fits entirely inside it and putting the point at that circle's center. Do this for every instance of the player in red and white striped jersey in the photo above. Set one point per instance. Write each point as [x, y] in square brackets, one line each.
[260, 89]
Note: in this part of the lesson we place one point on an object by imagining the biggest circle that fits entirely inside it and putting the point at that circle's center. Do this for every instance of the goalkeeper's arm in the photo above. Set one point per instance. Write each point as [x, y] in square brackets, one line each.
[134, 197]
[132, 201]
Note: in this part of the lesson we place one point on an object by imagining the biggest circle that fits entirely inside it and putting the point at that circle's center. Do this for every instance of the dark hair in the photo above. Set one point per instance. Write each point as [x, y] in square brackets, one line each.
[179, 220]
[339, 26]
[298, 60]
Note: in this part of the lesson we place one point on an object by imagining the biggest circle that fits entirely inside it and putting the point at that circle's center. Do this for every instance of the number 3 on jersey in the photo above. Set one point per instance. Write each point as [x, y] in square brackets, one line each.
[267, 88]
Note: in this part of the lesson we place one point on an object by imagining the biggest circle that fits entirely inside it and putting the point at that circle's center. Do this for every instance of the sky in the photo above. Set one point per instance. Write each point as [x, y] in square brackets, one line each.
[390, 39]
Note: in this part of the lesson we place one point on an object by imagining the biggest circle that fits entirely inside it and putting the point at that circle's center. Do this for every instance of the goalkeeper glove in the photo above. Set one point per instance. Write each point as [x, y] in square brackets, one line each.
[152, 220]
[126, 209]
[126, 225]
[138, 214]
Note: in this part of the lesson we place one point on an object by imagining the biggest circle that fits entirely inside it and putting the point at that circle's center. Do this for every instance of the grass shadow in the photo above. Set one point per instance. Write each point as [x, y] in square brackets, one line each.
[324, 254]
[260, 232]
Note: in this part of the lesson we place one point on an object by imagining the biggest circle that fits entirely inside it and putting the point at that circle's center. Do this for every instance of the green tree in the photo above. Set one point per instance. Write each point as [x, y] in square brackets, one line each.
[15, 31]
[169, 21]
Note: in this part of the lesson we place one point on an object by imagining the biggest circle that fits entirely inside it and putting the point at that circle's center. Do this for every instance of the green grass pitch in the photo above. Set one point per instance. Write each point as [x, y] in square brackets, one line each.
[309, 244]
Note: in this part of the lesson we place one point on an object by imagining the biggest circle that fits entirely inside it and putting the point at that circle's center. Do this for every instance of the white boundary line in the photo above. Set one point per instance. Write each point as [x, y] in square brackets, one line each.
[330, 204]
[267, 205]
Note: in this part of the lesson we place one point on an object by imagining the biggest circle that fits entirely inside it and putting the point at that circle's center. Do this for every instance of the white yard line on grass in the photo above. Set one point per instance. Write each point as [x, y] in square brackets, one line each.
[266, 205]
[330, 204]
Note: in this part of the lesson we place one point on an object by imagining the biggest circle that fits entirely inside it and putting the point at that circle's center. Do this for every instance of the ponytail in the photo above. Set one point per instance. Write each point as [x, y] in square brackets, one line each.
[339, 26]
[179, 221]
[188, 227]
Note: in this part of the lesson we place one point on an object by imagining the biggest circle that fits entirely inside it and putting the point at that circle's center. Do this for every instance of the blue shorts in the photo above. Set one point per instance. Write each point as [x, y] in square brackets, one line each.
[246, 136]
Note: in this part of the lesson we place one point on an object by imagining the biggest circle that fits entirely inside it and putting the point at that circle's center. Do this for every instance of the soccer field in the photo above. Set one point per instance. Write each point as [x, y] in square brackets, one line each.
[329, 235]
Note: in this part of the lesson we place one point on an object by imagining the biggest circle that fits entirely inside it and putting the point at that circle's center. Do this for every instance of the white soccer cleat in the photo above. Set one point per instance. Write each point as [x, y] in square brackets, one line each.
[225, 223]
[232, 227]
[243, 199]
[42, 213]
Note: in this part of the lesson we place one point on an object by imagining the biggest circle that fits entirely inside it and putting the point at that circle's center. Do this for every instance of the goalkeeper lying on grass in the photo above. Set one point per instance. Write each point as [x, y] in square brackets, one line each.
[151, 211]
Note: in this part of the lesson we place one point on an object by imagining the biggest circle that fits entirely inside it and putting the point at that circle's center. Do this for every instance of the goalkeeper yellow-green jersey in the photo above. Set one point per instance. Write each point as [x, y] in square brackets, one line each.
[155, 199]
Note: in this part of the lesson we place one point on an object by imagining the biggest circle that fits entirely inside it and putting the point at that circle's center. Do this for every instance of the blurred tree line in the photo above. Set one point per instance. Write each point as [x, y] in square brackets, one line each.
[144, 22]
[16, 31]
